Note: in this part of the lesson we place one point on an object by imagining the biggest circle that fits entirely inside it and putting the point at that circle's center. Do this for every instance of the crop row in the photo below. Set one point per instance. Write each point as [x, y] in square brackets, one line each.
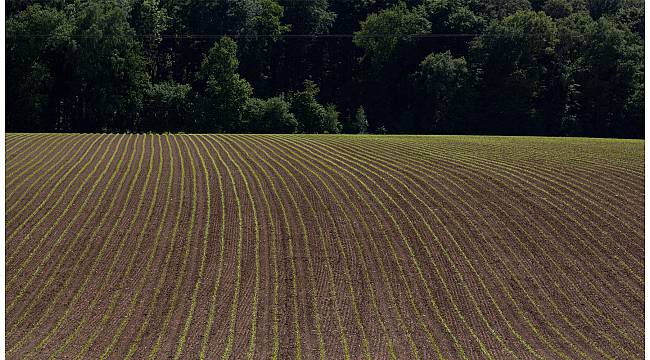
[302, 246]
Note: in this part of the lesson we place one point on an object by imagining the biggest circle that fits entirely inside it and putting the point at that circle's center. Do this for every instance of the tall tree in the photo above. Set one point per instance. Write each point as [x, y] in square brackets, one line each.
[305, 53]
[110, 68]
[610, 81]
[149, 20]
[415, 65]
[389, 40]
[518, 71]
[88, 61]
[440, 90]
[37, 66]
[309, 112]
[222, 92]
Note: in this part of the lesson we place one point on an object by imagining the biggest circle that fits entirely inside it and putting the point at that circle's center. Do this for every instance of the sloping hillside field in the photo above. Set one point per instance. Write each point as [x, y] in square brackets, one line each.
[292, 246]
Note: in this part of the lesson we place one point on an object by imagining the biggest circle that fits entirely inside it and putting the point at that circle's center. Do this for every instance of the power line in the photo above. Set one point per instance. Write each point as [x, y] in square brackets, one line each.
[288, 36]
[254, 36]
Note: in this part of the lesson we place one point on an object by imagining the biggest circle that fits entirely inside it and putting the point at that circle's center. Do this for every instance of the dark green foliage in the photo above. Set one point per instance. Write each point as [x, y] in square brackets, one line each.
[519, 75]
[149, 21]
[330, 122]
[223, 93]
[360, 125]
[453, 16]
[557, 9]
[166, 108]
[82, 65]
[269, 116]
[610, 81]
[544, 67]
[631, 14]
[599, 8]
[109, 68]
[308, 17]
[440, 84]
[310, 114]
[390, 32]
[390, 41]
[499, 9]
[31, 63]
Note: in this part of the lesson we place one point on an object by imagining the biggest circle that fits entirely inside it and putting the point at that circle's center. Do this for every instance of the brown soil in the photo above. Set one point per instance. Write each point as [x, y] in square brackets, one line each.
[324, 247]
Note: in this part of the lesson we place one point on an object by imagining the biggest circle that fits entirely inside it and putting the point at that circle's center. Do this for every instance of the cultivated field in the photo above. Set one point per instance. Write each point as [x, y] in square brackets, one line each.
[283, 246]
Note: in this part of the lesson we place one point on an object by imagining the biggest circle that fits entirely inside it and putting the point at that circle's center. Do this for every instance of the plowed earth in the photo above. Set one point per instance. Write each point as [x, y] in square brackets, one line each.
[219, 246]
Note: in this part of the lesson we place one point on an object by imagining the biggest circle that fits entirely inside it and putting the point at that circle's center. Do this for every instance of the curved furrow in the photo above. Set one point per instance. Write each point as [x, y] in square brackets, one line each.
[323, 144]
[40, 170]
[52, 190]
[604, 158]
[140, 237]
[44, 174]
[567, 160]
[13, 136]
[245, 270]
[576, 180]
[294, 301]
[330, 280]
[378, 258]
[323, 246]
[256, 223]
[29, 151]
[26, 284]
[44, 313]
[513, 204]
[113, 291]
[46, 236]
[33, 161]
[144, 326]
[548, 152]
[79, 286]
[14, 142]
[238, 266]
[439, 245]
[506, 188]
[113, 218]
[478, 163]
[222, 244]
[51, 277]
[359, 252]
[61, 166]
[519, 338]
[515, 171]
[141, 326]
[310, 268]
[342, 252]
[247, 158]
[186, 254]
[204, 255]
[515, 174]
[415, 176]
[578, 192]
[15, 154]
[582, 174]
[57, 218]
[434, 343]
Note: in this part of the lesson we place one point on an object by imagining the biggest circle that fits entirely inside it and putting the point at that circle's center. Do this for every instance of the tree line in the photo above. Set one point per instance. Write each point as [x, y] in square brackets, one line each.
[512, 67]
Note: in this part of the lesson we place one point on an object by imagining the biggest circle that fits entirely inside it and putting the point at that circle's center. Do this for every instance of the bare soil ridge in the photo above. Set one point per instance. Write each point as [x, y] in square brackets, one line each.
[306, 246]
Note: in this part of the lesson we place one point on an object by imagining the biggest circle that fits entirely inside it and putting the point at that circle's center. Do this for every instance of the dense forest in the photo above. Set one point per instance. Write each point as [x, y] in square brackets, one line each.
[528, 67]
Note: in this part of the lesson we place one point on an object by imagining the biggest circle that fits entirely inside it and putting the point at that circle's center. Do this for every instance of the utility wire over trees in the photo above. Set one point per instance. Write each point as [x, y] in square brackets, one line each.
[525, 67]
